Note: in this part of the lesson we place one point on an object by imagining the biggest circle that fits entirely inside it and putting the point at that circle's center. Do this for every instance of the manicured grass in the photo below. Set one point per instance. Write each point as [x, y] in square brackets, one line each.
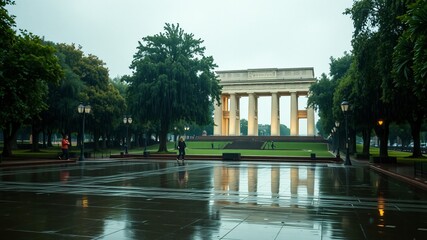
[290, 149]
[402, 157]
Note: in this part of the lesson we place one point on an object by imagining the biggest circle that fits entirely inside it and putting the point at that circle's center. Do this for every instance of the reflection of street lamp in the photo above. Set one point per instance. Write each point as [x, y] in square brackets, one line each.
[344, 108]
[127, 121]
[83, 109]
[337, 125]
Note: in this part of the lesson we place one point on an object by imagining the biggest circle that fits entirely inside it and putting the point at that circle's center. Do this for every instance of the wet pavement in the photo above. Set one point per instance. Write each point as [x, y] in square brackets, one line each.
[160, 199]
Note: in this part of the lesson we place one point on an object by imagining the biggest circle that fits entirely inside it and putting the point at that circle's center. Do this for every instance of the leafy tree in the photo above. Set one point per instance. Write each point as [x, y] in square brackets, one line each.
[284, 130]
[376, 23]
[244, 127]
[28, 68]
[7, 34]
[173, 81]
[322, 93]
[108, 108]
[63, 98]
[366, 93]
[264, 130]
[410, 60]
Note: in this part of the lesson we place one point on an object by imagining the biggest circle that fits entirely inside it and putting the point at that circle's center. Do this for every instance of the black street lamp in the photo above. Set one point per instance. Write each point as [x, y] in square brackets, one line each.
[337, 125]
[83, 109]
[332, 135]
[127, 120]
[344, 108]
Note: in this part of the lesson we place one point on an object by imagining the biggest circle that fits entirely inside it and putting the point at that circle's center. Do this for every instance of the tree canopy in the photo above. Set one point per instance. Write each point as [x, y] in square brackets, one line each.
[173, 81]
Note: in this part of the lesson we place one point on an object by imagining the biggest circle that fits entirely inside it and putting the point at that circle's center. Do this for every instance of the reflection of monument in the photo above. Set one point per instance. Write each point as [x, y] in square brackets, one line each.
[252, 179]
[275, 181]
[296, 181]
[227, 181]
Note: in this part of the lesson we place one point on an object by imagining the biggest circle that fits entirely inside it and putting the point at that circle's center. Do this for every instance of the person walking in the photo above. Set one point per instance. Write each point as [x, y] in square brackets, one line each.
[64, 147]
[181, 150]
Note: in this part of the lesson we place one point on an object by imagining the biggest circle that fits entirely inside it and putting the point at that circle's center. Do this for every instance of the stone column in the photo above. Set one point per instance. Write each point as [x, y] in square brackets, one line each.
[275, 116]
[294, 114]
[233, 108]
[310, 122]
[237, 115]
[218, 120]
[225, 121]
[253, 115]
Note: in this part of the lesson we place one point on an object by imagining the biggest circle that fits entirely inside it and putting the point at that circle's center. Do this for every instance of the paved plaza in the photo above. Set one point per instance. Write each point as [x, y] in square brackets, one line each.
[161, 199]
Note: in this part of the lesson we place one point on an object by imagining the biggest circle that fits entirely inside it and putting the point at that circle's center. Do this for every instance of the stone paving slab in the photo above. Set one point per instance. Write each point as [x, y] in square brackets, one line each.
[160, 199]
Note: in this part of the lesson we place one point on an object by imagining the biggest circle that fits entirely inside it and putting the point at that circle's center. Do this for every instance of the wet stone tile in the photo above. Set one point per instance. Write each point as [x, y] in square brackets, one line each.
[208, 200]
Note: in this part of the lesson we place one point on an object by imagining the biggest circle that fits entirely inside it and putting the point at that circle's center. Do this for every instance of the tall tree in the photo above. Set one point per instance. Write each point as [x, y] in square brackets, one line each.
[410, 61]
[7, 34]
[28, 68]
[377, 20]
[322, 92]
[173, 81]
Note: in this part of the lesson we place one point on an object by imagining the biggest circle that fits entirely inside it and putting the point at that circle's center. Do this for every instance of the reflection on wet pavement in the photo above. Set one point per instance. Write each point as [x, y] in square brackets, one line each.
[208, 200]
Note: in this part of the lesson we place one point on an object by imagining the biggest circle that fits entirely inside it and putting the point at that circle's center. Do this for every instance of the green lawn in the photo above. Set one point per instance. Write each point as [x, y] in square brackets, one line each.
[291, 149]
[401, 156]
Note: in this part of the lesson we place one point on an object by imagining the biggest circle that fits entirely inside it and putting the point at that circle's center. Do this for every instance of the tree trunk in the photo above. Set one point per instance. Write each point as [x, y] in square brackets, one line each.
[49, 138]
[382, 133]
[95, 140]
[366, 134]
[104, 141]
[164, 126]
[35, 138]
[415, 131]
[35, 131]
[9, 135]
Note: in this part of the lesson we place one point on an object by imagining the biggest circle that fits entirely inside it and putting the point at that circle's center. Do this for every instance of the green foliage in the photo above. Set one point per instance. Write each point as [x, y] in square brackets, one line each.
[173, 81]
[325, 90]
[28, 68]
[7, 34]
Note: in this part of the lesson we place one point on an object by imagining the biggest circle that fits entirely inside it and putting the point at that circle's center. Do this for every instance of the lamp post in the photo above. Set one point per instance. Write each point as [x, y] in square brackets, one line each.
[333, 135]
[337, 125]
[127, 120]
[83, 109]
[344, 108]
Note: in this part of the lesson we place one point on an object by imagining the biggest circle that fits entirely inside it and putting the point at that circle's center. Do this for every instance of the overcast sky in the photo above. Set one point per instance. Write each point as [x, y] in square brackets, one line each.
[239, 34]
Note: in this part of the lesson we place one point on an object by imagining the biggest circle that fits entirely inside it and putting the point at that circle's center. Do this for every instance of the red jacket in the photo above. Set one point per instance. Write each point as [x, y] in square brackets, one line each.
[65, 143]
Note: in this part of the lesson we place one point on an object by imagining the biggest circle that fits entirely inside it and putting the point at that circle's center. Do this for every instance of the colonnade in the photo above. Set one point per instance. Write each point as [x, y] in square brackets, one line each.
[254, 83]
[227, 115]
[229, 179]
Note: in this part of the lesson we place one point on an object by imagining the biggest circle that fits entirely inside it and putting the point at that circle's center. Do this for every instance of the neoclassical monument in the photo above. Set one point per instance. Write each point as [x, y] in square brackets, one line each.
[274, 82]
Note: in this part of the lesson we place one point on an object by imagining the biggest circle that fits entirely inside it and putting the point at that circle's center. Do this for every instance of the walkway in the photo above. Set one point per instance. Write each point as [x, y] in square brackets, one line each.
[160, 199]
